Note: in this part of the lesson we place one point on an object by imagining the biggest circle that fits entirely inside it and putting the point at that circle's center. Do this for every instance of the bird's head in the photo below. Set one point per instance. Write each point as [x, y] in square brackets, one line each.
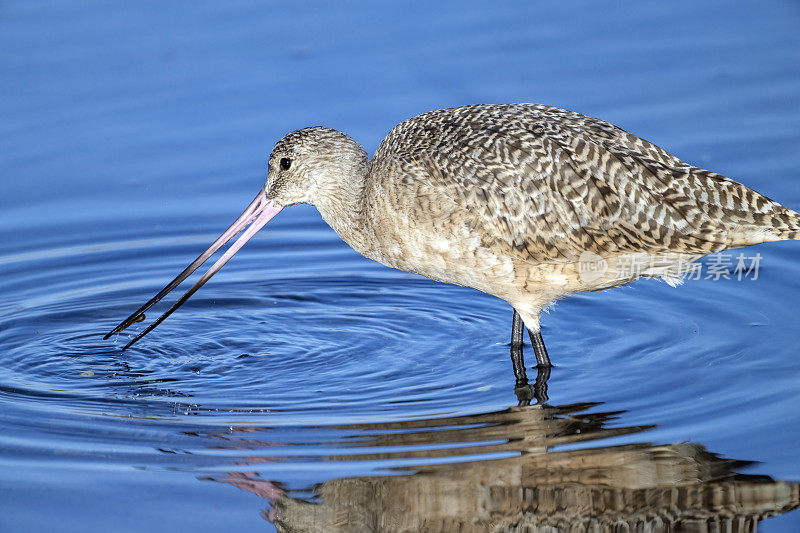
[307, 166]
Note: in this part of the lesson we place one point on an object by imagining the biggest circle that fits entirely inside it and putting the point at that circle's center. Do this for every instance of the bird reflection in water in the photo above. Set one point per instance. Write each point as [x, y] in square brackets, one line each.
[513, 470]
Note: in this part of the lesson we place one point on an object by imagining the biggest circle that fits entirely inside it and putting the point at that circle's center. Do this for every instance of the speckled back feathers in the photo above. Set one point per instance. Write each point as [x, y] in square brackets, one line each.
[509, 199]
[552, 184]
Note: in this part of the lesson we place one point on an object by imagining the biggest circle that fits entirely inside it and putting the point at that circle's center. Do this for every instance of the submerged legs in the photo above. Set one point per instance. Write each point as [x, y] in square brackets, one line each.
[543, 365]
[542, 359]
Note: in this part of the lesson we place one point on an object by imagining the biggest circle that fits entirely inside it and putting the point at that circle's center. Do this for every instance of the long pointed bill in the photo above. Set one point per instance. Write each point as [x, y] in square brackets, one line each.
[259, 212]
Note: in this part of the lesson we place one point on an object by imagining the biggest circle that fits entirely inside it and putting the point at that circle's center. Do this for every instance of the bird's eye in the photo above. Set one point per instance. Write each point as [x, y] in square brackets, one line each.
[286, 163]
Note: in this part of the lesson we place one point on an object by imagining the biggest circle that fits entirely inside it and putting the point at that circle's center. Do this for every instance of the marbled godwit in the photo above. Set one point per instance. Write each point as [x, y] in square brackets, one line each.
[512, 200]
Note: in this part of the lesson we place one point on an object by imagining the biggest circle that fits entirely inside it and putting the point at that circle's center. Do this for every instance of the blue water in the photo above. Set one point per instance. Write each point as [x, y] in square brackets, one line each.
[305, 386]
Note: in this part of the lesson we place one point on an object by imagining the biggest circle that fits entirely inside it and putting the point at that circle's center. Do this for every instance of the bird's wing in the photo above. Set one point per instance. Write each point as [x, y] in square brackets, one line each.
[552, 185]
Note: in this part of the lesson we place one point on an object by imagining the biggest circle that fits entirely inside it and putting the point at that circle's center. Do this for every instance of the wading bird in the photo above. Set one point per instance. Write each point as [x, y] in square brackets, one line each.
[526, 202]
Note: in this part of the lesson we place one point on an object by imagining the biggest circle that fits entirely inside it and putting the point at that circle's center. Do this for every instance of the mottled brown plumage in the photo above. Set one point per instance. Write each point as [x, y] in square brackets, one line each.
[511, 199]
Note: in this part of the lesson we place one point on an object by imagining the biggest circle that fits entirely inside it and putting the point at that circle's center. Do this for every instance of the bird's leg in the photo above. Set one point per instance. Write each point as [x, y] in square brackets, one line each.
[521, 388]
[542, 359]
[517, 359]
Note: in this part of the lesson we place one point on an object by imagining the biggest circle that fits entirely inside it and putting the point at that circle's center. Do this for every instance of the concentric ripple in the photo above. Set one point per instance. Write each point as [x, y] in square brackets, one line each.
[270, 334]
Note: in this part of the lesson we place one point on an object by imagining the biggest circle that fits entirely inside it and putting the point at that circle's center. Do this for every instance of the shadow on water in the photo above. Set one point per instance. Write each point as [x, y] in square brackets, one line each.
[525, 468]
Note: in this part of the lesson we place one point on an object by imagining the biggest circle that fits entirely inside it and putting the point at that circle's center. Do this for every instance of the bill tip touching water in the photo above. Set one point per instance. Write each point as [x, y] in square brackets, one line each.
[510, 200]
[260, 211]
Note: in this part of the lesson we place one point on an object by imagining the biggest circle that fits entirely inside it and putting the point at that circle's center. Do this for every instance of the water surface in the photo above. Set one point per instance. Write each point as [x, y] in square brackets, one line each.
[307, 388]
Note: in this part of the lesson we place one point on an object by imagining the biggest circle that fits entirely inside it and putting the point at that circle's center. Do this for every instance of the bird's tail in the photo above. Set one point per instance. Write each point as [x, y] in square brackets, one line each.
[786, 224]
[748, 217]
[765, 221]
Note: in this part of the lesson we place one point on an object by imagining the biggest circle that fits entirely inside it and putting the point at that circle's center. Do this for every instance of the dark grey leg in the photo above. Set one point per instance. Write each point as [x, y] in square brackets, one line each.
[522, 389]
[542, 359]
[517, 327]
